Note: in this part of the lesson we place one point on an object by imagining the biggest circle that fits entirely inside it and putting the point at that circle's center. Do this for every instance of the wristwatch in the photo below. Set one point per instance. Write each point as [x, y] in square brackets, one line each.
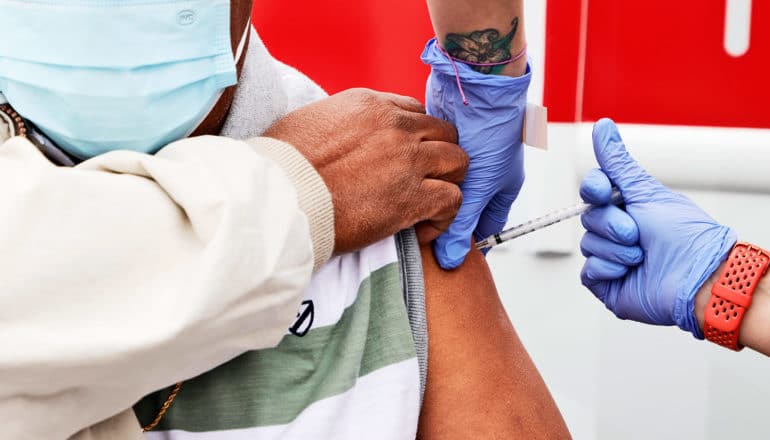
[731, 294]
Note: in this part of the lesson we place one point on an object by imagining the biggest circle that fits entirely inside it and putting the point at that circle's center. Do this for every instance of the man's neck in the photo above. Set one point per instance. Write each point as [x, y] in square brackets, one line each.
[215, 120]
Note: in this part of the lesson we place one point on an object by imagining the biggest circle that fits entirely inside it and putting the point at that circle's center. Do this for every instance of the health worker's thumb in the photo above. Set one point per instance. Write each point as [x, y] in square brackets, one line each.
[624, 172]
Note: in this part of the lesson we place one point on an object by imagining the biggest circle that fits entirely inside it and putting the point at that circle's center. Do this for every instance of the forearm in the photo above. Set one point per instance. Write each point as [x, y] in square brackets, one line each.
[499, 22]
[755, 329]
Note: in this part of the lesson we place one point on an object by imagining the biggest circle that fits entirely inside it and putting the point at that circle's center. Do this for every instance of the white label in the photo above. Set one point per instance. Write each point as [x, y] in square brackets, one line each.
[536, 126]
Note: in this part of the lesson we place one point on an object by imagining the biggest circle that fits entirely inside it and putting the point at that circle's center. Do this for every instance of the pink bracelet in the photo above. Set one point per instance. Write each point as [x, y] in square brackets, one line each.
[453, 61]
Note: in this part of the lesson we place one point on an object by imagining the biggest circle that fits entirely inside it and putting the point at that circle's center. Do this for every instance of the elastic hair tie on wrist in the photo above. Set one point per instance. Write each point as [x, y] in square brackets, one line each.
[453, 61]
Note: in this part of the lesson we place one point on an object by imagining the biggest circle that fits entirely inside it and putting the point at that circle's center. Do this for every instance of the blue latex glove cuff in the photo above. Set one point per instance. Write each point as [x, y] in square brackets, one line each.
[490, 131]
[684, 309]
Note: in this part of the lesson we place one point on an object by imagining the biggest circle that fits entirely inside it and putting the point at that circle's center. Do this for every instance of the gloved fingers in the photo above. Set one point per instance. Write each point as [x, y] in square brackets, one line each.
[600, 289]
[596, 188]
[443, 161]
[495, 216]
[451, 247]
[608, 250]
[596, 270]
[612, 223]
[632, 180]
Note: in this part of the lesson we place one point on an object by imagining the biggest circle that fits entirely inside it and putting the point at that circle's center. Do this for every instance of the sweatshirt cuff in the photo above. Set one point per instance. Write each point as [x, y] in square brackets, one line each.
[315, 200]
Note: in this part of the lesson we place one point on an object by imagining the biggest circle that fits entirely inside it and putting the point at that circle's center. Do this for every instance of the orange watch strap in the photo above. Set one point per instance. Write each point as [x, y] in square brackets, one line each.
[731, 294]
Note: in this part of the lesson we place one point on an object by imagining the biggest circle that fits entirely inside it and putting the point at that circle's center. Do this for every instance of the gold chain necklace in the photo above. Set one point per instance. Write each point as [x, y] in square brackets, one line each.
[164, 408]
[16, 125]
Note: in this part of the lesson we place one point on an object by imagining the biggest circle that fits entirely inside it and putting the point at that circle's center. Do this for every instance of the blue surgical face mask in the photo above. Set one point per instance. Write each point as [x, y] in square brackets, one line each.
[103, 75]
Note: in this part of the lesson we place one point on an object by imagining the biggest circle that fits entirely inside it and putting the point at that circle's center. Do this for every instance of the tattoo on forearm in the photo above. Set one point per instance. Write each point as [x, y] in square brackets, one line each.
[485, 46]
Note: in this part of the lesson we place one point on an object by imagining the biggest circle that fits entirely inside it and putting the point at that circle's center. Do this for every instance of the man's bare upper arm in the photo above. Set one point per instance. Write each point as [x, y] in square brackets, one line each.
[481, 384]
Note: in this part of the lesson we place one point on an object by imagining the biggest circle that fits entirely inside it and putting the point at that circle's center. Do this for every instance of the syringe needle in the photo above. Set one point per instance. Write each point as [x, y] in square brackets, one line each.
[483, 244]
[542, 222]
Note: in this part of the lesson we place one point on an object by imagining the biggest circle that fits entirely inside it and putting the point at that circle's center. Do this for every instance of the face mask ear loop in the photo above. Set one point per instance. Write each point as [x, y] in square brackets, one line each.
[457, 72]
[242, 43]
[238, 54]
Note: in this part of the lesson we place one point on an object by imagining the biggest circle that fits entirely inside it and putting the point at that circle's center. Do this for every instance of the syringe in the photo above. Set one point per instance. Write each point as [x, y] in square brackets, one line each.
[542, 222]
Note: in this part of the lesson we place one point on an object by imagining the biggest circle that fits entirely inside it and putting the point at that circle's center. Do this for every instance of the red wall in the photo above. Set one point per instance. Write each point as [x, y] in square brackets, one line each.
[656, 61]
[343, 44]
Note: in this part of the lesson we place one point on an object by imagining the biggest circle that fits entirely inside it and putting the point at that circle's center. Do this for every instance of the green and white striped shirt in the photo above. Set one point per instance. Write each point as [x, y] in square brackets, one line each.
[347, 369]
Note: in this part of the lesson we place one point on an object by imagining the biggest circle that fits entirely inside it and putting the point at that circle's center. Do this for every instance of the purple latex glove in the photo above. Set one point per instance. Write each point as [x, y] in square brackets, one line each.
[645, 263]
[490, 131]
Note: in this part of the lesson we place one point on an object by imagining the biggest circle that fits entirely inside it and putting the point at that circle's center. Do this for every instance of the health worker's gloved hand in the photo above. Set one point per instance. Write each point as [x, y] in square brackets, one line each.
[645, 263]
[490, 131]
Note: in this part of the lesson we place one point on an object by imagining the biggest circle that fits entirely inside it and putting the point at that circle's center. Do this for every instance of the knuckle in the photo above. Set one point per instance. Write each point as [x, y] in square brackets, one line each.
[455, 161]
[464, 160]
[361, 92]
[364, 96]
[629, 255]
[450, 130]
[415, 157]
[416, 103]
[399, 165]
[387, 116]
[407, 181]
[404, 121]
[409, 204]
[453, 198]
[624, 231]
